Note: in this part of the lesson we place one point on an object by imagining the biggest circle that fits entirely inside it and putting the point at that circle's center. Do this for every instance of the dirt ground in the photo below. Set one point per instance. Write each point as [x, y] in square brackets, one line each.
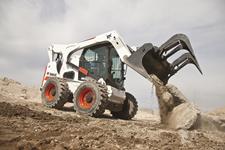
[26, 124]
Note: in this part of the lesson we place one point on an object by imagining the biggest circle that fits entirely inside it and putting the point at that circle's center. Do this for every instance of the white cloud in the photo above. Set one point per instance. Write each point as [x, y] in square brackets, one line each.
[28, 27]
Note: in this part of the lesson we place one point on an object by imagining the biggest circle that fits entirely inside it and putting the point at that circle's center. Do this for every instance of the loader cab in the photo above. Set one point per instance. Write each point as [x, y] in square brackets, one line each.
[102, 61]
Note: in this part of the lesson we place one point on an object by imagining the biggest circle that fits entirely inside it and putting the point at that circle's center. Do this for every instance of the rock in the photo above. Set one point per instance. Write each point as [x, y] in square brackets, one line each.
[60, 147]
[26, 145]
[175, 110]
[23, 96]
[177, 94]
[24, 90]
[7, 81]
[168, 99]
[183, 116]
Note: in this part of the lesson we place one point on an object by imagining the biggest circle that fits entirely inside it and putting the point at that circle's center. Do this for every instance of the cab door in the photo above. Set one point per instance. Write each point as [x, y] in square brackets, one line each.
[95, 60]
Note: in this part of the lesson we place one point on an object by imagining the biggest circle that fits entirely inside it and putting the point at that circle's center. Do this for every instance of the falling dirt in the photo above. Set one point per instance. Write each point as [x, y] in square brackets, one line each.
[26, 124]
[176, 111]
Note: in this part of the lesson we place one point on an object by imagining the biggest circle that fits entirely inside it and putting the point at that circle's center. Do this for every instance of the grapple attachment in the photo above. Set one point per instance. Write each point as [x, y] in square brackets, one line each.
[149, 59]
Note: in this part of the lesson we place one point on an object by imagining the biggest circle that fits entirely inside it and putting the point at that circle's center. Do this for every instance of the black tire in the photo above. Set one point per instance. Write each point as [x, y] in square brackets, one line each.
[70, 97]
[90, 98]
[55, 93]
[129, 109]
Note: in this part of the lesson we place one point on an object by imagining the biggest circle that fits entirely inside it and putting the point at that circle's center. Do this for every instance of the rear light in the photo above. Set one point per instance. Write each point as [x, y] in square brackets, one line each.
[83, 70]
[44, 77]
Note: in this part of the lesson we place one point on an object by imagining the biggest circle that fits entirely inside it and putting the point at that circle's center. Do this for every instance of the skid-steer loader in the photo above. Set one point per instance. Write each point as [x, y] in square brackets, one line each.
[91, 73]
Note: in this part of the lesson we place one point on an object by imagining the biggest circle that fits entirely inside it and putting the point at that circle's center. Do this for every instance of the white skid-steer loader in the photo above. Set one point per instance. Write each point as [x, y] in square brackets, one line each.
[91, 73]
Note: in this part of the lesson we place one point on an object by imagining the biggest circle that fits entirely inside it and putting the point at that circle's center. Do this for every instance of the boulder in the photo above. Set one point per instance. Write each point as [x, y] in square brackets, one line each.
[183, 116]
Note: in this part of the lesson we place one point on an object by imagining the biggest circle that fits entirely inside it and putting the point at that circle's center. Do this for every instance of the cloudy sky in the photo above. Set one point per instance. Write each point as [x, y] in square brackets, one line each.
[28, 27]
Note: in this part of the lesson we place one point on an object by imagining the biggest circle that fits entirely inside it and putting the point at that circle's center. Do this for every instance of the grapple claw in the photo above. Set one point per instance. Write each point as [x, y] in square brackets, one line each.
[149, 59]
[174, 44]
[179, 42]
[182, 61]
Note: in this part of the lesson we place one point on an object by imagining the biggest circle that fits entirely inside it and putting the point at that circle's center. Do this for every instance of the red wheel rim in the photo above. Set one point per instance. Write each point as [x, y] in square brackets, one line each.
[86, 98]
[50, 92]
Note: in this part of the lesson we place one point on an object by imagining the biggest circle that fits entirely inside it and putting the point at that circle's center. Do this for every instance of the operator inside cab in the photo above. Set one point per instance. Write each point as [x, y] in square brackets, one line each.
[103, 61]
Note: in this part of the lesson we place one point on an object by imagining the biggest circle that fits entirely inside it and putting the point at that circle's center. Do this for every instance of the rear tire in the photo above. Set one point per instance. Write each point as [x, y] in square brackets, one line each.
[129, 109]
[55, 93]
[90, 98]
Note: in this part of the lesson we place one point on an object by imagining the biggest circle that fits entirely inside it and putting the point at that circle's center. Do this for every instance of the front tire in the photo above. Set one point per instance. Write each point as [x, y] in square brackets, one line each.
[90, 98]
[55, 93]
[129, 109]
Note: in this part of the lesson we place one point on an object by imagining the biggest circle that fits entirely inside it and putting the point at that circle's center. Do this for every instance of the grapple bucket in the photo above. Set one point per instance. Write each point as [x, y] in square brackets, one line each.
[149, 59]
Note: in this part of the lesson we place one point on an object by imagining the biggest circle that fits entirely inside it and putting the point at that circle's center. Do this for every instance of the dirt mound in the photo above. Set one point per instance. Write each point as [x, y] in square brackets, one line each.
[7, 110]
[10, 110]
[213, 121]
[17, 91]
[26, 124]
[218, 112]
[29, 129]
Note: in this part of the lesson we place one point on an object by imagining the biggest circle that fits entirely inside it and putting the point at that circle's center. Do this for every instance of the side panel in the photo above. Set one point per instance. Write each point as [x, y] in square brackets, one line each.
[115, 95]
[49, 71]
[73, 85]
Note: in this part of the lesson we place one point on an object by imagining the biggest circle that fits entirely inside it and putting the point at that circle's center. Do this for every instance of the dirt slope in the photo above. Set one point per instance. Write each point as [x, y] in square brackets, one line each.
[26, 124]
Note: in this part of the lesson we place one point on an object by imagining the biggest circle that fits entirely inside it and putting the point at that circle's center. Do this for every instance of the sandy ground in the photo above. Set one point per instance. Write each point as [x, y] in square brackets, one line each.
[26, 124]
